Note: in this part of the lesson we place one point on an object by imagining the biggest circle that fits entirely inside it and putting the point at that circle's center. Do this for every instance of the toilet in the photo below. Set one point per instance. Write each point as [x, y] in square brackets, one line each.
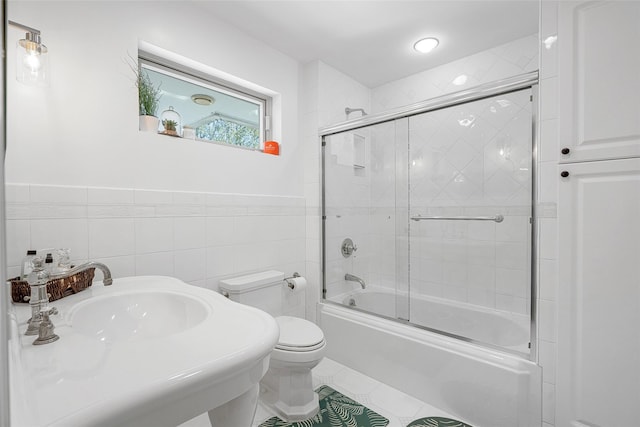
[287, 387]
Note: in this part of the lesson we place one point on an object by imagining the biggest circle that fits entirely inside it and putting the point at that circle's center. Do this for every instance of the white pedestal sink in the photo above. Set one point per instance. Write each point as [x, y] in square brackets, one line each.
[145, 351]
[137, 315]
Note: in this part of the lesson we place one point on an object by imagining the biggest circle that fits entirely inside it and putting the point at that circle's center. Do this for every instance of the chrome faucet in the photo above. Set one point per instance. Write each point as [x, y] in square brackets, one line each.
[39, 300]
[351, 278]
[106, 273]
[40, 324]
[45, 330]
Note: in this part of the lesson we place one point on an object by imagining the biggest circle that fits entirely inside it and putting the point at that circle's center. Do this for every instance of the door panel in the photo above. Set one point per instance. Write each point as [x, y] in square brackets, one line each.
[599, 299]
[470, 276]
[599, 65]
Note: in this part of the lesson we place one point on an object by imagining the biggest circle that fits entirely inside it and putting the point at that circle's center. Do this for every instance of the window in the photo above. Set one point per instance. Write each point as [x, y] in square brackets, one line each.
[210, 109]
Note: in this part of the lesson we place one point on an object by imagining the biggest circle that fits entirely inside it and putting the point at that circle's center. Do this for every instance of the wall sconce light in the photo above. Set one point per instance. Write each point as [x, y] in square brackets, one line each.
[32, 60]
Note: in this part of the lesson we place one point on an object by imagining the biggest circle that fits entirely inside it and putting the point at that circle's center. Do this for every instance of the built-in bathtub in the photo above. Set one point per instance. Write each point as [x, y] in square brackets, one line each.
[489, 326]
[486, 387]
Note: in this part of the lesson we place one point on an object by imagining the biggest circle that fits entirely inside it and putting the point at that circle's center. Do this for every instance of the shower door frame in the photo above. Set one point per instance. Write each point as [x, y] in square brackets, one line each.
[499, 87]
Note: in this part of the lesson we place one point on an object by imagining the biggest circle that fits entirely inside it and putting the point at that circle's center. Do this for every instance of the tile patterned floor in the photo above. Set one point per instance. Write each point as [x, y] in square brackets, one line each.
[398, 407]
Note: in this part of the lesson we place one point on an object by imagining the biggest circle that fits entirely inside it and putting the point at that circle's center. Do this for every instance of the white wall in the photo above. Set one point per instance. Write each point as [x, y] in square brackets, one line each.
[83, 129]
[80, 175]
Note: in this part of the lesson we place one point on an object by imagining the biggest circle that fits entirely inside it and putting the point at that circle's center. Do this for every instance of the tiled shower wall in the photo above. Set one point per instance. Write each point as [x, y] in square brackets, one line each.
[363, 202]
[348, 198]
[473, 160]
[199, 238]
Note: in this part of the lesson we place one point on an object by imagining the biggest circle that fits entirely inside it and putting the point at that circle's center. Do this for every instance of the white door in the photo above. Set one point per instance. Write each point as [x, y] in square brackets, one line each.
[599, 79]
[599, 298]
[598, 376]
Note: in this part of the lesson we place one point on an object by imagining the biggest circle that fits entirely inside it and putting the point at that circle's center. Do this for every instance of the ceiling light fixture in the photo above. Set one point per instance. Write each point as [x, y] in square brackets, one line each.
[202, 99]
[31, 58]
[426, 45]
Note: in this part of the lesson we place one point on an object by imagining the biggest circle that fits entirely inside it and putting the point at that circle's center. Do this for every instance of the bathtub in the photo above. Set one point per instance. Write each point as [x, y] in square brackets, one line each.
[494, 327]
[487, 388]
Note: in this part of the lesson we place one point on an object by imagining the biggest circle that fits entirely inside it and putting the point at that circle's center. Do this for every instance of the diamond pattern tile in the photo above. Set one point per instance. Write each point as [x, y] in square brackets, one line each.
[461, 154]
[500, 186]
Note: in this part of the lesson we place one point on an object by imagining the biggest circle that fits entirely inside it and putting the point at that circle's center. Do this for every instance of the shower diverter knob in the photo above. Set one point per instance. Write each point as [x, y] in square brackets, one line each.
[348, 247]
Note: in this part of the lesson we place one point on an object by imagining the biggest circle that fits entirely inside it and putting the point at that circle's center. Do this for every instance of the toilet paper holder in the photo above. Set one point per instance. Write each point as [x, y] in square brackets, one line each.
[290, 282]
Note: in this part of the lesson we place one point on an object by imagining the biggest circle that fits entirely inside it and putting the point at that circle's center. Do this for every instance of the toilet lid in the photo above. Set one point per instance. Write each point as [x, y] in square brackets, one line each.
[298, 334]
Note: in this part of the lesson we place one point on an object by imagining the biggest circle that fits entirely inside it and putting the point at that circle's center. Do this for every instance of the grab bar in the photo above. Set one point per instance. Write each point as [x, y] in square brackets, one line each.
[497, 218]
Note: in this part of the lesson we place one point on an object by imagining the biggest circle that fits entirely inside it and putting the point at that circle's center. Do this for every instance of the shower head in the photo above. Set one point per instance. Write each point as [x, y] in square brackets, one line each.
[348, 111]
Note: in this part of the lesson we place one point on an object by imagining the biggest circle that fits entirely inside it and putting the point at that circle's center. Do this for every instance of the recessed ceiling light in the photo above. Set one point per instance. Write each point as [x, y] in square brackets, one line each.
[426, 45]
[201, 99]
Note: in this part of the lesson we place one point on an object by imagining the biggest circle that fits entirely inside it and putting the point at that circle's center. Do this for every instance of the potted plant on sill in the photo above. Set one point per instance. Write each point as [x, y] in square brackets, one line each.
[148, 100]
[170, 127]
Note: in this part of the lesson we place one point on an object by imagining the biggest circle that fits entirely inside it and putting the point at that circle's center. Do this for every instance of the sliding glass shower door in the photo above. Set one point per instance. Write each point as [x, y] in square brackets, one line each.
[470, 197]
[365, 219]
[427, 219]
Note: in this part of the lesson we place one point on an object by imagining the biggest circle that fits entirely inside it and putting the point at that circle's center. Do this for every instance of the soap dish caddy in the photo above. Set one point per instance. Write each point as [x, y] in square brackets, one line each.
[57, 288]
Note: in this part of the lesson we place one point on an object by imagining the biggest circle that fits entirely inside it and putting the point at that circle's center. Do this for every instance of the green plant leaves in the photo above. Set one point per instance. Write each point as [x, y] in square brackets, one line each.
[336, 410]
[148, 95]
[437, 422]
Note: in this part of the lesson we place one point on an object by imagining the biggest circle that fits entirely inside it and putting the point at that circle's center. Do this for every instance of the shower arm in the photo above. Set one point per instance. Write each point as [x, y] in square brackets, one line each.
[348, 111]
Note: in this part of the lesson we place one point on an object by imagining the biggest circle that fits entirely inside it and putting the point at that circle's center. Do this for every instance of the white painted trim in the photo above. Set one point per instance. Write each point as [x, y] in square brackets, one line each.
[4, 309]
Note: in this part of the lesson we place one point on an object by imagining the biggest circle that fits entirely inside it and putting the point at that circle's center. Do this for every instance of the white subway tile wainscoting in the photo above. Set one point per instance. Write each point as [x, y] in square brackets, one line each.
[199, 238]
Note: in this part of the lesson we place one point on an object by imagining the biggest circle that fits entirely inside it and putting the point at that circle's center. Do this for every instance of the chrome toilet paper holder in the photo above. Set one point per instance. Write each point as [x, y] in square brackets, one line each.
[290, 283]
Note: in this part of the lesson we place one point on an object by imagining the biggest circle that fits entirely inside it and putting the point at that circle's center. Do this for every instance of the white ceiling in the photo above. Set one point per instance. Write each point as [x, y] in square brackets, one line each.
[372, 41]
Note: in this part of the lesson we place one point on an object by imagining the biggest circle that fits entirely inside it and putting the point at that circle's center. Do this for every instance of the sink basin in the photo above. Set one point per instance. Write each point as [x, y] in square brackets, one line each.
[145, 351]
[137, 316]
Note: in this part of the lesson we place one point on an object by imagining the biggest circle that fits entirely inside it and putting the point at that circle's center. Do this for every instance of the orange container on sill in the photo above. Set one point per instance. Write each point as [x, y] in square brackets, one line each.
[272, 147]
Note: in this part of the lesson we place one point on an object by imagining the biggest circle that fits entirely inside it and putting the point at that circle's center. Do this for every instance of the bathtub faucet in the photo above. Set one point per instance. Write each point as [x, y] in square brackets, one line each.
[351, 278]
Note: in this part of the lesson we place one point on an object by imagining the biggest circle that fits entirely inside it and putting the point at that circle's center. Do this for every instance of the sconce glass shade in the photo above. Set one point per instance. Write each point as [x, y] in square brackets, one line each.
[32, 61]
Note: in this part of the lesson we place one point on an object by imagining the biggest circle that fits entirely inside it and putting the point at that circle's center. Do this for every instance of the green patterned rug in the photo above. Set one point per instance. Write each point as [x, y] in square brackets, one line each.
[437, 422]
[336, 410]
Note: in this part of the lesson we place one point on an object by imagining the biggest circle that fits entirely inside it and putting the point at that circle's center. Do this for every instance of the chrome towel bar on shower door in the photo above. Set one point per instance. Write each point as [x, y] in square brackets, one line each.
[497, 218]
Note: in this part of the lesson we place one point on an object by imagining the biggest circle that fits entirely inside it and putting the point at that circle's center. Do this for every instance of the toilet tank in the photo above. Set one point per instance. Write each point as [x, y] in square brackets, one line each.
[262, 290]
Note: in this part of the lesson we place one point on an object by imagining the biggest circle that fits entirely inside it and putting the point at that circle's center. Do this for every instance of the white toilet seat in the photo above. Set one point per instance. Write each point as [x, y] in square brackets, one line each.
[300, 349]
[300, 341]
[298, 334]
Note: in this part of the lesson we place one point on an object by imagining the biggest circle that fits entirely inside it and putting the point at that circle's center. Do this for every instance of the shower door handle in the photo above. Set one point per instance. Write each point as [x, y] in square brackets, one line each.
[497, 218]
